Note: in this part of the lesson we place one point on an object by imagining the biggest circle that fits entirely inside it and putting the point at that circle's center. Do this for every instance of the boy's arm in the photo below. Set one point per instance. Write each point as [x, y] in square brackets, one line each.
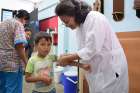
[30, 78]
[29, 71]
[84, 66]
[74, 63]
[45, 79]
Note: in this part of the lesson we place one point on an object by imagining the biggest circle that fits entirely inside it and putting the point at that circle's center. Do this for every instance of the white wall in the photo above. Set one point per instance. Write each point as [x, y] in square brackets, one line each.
[61, 49]
[130, 21]
[16, 5]
[90, 2]
[46, 9]
[66, 39]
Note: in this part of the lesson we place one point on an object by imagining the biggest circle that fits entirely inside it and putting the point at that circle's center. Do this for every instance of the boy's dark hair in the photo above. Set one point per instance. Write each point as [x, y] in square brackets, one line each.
[41, 35]
[21, 14]
[75, 8]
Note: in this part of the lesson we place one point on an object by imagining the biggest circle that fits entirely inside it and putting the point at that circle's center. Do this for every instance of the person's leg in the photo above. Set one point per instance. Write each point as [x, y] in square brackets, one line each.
[20, 81]
[13, 83]
[2, 82]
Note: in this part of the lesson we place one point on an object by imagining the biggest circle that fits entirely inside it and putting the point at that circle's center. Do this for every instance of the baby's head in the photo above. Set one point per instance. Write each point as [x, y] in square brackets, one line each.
[43, 43]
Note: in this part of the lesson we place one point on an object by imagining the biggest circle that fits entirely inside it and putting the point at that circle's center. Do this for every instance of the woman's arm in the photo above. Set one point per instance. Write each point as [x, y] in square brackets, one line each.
[67, 59]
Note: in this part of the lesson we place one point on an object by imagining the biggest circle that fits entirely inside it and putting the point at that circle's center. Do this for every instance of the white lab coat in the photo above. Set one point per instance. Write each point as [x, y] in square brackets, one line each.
[99, 47]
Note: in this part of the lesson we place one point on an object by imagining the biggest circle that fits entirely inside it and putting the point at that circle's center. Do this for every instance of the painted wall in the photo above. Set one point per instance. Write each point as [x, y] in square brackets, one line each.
[46, 9]
[90, 2]
[66, 39]
[16, 5]
[61, 46]
[130, 21]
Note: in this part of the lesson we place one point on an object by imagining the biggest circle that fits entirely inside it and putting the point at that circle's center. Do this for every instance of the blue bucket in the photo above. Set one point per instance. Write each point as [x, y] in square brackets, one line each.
[70, 81]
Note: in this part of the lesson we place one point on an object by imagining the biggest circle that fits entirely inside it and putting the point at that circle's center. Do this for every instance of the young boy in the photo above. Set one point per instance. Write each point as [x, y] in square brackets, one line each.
[39, 69]
[29, 46]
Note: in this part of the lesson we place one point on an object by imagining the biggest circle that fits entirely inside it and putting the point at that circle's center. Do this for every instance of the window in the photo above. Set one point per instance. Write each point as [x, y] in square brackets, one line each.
[6, 14]
[98, 5]
[118, 10]
[137, 7]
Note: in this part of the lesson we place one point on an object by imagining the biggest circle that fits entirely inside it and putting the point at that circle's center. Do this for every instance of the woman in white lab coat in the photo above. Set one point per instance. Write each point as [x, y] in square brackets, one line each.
[98, 46]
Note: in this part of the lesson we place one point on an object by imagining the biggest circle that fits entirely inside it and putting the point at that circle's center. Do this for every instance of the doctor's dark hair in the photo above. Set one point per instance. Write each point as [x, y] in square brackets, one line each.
[75, 8]
[21, 14]
[41, 35]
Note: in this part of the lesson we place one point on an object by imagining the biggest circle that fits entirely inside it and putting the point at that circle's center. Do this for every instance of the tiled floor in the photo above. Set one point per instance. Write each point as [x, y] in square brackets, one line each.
[59, 88]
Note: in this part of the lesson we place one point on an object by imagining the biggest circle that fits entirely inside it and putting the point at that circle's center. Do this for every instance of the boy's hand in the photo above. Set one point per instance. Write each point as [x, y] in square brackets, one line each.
[46, 80]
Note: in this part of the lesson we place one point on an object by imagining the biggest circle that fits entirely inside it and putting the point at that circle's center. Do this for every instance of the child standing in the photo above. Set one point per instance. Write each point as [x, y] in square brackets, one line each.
[39, 69]
[29, 46]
